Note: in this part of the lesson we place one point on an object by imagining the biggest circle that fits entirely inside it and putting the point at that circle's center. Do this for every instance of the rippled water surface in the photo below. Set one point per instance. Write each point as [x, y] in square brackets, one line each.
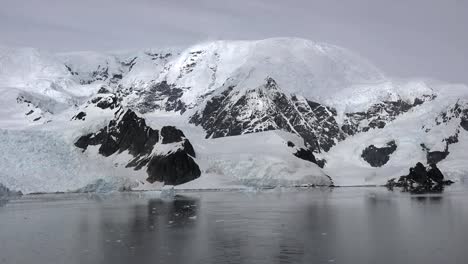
[342, 225]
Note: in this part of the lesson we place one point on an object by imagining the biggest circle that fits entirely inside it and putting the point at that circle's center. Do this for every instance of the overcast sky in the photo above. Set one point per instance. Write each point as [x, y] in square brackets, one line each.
[405, 38]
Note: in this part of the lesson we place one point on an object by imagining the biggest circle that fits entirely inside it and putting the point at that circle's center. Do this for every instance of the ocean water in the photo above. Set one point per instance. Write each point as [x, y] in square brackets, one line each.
[340, 225]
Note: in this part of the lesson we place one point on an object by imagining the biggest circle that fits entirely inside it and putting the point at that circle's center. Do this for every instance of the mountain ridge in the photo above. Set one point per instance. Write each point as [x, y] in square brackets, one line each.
[331, 103]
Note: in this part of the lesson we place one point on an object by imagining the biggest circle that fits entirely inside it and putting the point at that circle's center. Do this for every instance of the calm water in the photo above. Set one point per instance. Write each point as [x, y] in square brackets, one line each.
[343, 225]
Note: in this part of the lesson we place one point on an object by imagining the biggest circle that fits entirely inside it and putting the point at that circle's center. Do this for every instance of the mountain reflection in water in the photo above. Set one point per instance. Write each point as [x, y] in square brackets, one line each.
[342, 225]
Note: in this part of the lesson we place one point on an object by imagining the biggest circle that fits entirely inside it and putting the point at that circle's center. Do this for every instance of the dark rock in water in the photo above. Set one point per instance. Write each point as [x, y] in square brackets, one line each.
[173, 169]
[420, 181]
[436, 156]
[128, 132]
[378, 157]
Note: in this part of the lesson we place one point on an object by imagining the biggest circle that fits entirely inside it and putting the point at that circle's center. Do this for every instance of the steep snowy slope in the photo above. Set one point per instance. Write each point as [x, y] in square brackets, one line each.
[258, 113]
[418, 136]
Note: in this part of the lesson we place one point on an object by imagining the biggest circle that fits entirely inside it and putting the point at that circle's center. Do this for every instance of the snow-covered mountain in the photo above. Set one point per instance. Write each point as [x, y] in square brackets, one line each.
[224, 114]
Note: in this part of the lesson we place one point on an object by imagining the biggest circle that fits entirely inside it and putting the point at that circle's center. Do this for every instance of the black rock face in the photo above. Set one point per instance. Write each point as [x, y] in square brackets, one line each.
[454, 115]
[376, 117]
[305, 154]
[103, 90]
[128, 132]
[160, 96]
[420, 180]
[79, 116]
[230, 113]
[436, 156]
[174, 169]
[171, 134]
[187, 147]
[458, 113]
[377, 157]
[105, 101]
[464, 123]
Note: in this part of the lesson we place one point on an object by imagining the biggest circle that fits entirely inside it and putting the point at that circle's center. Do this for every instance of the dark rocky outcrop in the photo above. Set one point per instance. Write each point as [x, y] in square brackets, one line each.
[128, 132]
[457, 113]
[231, 113]
[235, 112]
[464, 123]
[100, 74]
[173, 169]
[377, 157]
[105, 101]
[171, 134]
[377, 116]
[420, 180]
[436, 156]
[103, 90]
[305, 154]
[160, 96]
[454, 117]
[80, 116]
[435, 174]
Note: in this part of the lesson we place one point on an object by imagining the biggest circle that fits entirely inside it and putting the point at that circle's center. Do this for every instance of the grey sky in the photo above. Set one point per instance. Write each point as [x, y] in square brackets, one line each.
[405, 38]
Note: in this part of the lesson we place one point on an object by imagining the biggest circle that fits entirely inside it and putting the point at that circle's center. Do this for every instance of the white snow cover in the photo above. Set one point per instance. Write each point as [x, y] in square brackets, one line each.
[347, 167]
[258, 160]
[39, 155]
[315, 70]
